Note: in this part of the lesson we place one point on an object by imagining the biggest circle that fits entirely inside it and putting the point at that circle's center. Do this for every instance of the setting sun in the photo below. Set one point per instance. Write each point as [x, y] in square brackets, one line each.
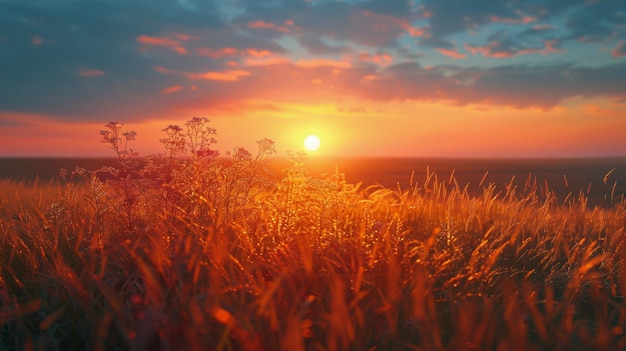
[312, 142]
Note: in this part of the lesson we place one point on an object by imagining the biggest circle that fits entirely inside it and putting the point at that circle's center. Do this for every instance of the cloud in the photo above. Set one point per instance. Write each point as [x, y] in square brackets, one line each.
[370, 23]
[451, 53]
[171, 44]
[260, 24]
[80, 60]
[582, 20]
[619, 50]
[314, 63]
[451, 16]
[270, 61]
[37, 40]
[381, 58]
[50, 78]
[91, 73]
[594, 21]
[396, 8]
[502, 44]
[226, 76]
[258, 53]
[520, 86]
[171, 89]
[316, 45]
[223, 76]
[217, 53]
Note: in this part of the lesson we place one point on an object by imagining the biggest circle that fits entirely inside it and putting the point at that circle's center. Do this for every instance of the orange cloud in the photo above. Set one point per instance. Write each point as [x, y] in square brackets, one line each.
[144, 39]
[409, 28]
[163, 70]
[231, 75]
[268, 61]
[226, 76]
[258, 53]
[217, 53]
[91, 73]
[36, 40]
[380, 59]
[475, 50]
[550, 47]
[314, 63]
[451, 53]
[523, 20]
[171, 89]
[160, 41]
[414, 31]
[259, 24]
[543, 26]
[619, 50]
[368, 78]
[488, 50]
[184, 37]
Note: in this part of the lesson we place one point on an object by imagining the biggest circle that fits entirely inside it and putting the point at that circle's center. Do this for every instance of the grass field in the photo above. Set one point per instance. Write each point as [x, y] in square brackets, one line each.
[188, 251]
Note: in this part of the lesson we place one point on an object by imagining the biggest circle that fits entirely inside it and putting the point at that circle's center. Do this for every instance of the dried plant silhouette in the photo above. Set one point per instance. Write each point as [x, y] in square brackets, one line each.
[190, 250]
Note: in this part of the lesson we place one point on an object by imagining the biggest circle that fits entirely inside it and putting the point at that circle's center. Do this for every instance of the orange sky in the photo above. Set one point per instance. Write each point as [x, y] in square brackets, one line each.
[390, 78]
[409, 130]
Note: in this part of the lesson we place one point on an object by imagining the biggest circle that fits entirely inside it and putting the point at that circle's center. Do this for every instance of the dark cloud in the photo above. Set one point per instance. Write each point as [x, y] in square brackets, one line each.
[548, 86]
[520, 86]
[597, 21]
[452, 16]
[317, 46]
[503, 44]
[436, 42]
[270, 12]
[584, 20]
[264, 7]
[373, 23]
[43, 76]
[398, 8]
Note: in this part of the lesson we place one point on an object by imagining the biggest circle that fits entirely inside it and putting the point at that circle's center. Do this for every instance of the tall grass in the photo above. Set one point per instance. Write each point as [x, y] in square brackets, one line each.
[186, 250]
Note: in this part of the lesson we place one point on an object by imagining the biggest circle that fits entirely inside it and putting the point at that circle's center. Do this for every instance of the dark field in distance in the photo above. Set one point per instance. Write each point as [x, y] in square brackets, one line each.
[602, 180]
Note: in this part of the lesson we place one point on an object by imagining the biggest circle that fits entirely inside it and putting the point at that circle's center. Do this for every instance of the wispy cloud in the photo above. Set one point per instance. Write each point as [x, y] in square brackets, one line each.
[37, 40]
[314, 63]
[171, 44]
[171, 89]
[619, 50]
[91, 73]
[226, 76]
[451, 53]
[260, 24]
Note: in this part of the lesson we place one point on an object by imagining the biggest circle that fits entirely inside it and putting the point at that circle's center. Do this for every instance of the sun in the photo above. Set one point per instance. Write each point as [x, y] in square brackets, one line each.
[312, 142]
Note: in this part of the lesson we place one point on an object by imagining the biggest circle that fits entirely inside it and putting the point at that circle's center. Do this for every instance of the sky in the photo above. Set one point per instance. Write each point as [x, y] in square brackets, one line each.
[397, 78]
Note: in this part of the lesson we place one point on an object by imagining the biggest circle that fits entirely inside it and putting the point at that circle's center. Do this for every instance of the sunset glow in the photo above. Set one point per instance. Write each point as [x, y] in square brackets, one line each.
[381, 78]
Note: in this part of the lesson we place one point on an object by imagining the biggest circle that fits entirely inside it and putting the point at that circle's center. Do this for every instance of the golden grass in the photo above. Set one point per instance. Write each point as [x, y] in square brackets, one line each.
[204, 255]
